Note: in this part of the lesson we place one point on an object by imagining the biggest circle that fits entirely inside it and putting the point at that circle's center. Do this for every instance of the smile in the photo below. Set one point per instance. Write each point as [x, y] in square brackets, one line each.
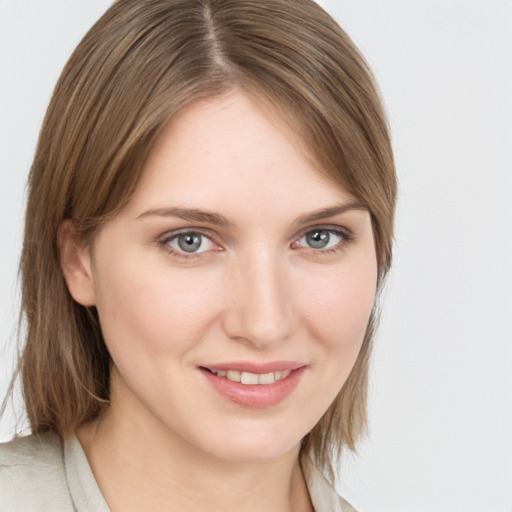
[251, 379]
[254, 385]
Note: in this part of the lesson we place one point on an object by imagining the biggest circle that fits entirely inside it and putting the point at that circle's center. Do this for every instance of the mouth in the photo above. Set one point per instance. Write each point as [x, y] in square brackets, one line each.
[254, 385]
[248, 378]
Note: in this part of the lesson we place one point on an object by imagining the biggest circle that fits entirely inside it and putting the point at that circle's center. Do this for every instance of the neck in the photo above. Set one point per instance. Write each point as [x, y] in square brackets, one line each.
[141, 465]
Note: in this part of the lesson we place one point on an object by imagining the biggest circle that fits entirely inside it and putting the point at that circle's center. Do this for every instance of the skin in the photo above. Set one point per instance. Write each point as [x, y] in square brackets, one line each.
[255, 292]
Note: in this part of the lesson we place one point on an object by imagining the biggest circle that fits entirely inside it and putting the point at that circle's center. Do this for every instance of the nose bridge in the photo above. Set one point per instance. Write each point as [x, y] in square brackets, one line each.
[261, 307]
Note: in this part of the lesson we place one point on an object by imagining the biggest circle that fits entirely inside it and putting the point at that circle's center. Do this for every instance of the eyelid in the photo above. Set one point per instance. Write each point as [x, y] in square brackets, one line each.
[347, 236]
[165, 238]
[181, 231]
[346, 232]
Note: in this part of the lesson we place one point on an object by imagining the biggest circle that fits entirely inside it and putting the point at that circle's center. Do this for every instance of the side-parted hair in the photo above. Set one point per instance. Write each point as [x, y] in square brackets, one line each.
[139, 65]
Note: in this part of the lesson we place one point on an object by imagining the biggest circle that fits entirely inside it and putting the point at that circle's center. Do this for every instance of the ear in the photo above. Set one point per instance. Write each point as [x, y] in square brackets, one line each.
[75, 262]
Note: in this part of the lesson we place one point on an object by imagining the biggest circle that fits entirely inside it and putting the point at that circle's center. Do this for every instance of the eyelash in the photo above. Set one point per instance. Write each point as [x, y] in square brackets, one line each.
[346, 237]
[165, 241]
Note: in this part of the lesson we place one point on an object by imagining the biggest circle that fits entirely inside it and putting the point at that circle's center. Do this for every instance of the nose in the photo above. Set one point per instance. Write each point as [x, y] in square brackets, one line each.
[260, 307]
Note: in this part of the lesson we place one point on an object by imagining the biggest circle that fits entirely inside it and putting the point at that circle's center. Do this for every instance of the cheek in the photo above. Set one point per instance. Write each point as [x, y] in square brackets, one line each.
[338, 308]
[153, 309]
[336, 312]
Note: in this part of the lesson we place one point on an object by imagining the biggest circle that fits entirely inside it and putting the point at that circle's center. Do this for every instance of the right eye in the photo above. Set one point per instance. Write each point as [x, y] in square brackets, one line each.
[189, 242]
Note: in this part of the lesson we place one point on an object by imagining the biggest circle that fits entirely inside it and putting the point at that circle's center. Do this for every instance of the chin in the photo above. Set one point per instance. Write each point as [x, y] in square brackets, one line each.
[257, 443]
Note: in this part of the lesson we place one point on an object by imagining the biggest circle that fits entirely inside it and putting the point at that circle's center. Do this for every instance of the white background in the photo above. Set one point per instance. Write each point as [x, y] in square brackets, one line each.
[441, 395]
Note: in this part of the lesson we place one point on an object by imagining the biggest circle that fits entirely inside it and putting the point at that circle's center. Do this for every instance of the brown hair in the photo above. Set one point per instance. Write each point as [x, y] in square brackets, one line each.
[141, 63]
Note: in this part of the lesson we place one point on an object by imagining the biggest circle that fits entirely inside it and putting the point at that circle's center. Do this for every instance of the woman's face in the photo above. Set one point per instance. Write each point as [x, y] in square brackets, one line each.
[234, 260]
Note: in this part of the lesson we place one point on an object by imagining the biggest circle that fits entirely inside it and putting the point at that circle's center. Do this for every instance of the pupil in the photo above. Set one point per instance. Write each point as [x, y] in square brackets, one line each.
[189, 243]
[318, 239]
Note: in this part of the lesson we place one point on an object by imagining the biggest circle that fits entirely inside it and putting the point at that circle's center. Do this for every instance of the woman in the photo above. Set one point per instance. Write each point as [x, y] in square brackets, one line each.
[209, 222]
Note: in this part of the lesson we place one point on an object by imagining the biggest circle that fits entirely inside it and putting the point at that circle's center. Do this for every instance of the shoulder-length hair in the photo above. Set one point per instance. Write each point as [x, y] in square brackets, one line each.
[141, 63]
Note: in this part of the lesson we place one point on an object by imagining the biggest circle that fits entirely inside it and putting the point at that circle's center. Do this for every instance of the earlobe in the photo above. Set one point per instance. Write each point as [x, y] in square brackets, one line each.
[75, 263]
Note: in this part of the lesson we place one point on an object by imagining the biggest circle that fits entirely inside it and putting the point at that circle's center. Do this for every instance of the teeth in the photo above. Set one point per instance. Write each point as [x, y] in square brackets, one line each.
[248, 378]
[233, 375]
[252, 378]
[267, 378]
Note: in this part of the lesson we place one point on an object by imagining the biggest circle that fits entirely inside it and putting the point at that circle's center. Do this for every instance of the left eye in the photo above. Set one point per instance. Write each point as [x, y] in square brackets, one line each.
[321, 238]
[190, 242]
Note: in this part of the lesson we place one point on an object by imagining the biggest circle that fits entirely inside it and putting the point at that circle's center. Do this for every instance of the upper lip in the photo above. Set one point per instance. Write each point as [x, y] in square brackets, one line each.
[258, 368]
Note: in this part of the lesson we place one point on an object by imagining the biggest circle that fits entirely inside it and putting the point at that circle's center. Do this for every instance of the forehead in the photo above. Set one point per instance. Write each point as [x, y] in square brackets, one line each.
[233, 147]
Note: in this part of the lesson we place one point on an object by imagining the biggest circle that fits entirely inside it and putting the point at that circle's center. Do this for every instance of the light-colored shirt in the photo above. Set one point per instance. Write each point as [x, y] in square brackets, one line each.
[42, 474]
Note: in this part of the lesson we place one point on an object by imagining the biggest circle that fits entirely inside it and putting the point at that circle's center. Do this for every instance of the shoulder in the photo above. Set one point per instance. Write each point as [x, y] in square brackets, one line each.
[32, 449]
[323, 495]
[32, 474]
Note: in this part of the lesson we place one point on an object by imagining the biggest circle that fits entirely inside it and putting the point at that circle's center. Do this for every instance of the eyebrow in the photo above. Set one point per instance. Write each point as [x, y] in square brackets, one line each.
[191, 214]
[195, 215]
[332, 211]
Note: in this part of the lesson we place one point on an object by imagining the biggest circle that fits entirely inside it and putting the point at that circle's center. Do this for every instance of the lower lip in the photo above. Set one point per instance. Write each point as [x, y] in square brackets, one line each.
[256, 396]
